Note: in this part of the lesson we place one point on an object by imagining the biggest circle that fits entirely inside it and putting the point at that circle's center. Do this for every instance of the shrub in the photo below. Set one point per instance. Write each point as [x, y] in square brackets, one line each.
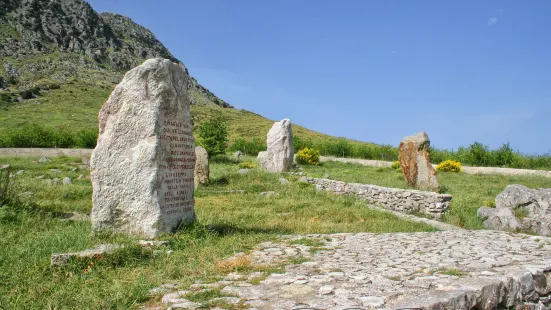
[87, 138]
[247, 165]
[449, 166]
[299, 143]
[395, 165]
[503, 156]
[478, 154]
[213, 135]
[308, 156]
[33, 135]
[335, 147]
[251, 148]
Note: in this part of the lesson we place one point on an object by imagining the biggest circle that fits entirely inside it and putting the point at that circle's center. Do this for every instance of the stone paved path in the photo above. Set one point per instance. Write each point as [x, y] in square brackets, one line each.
[442, 270]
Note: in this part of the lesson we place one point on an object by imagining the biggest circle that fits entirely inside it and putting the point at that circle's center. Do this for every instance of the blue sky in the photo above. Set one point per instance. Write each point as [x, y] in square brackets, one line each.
[375, 71]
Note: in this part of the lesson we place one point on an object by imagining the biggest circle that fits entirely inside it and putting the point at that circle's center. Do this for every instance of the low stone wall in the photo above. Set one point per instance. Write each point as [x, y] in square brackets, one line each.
[431, 204]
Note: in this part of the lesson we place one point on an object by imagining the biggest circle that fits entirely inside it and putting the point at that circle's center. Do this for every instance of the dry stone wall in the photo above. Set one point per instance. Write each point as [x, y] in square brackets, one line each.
[431, 204]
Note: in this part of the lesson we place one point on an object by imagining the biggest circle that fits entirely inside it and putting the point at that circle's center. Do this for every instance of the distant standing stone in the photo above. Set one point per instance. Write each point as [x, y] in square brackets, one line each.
[415, 162]
[280, 153]
[238, 155]
[142, 167]
[283, 181]
[201, 166]
[20, 172]
[243, 171]
[67, 181]
[44, 160]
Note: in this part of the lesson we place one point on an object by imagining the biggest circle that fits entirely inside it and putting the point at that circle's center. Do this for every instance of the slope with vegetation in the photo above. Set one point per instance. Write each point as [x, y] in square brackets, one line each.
[59, 61]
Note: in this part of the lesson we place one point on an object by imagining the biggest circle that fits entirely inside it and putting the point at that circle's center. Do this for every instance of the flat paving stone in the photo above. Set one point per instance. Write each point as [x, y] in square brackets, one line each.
[456, 269]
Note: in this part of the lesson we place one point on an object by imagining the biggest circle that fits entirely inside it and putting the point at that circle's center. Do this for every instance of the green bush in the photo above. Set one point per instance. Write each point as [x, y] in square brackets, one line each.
[335, 147]
[503, 156]
[34, 135]
[479, 154]
[252, 147]
[299, 143]
[213, 135]
[86, 138]
[308, 156]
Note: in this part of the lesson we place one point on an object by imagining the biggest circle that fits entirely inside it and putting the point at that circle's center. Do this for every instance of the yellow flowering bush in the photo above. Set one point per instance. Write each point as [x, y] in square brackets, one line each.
[395, 165]
[246, 165]
[308, 156]
[449, 166]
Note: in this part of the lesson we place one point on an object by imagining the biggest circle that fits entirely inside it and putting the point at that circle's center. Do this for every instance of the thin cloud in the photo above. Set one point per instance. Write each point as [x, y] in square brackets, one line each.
[393, 52]
[492, 21]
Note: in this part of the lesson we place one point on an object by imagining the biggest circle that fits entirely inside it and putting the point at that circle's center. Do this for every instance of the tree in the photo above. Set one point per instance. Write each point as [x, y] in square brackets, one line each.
[213, 135]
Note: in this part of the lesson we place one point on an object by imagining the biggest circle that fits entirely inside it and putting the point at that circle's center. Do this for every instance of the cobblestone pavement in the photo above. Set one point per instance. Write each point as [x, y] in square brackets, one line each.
[456, 269]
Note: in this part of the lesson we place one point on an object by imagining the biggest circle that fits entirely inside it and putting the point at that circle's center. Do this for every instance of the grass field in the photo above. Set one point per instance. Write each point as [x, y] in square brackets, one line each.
[227, 223]
[469, 191]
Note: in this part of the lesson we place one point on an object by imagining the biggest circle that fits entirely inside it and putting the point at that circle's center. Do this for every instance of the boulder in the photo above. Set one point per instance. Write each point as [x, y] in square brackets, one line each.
[201, 166]
[280, 153]
[44, 160]
[142, 167]
[415, 162]
[520, 208]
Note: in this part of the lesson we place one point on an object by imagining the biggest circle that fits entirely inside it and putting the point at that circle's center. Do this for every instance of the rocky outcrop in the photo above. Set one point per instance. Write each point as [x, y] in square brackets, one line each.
[142, 167]
[56, 32]
[415, 162]
[280, 153]
[430, 204]
[520, 208]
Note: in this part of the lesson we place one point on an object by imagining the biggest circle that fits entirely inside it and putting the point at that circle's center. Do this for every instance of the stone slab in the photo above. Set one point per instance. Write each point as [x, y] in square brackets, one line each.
[456, 269]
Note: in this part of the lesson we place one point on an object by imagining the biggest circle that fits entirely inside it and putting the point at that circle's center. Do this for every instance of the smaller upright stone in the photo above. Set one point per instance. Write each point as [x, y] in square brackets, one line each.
[67, 181]
[238, 155]
[280, 153]
[202, 170]
[415, 162]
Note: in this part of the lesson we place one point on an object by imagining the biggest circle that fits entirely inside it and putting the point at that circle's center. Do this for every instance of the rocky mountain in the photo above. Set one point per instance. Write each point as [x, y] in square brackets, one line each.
[55, 42]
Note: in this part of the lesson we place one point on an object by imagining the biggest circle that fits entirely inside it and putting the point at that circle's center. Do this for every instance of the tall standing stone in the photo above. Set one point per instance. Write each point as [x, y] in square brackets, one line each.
[280, 153]
[415, 162]
[142, 166]
[202, 170]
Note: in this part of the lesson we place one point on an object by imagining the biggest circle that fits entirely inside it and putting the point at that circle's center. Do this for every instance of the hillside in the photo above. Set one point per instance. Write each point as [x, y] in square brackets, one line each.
[59, 61]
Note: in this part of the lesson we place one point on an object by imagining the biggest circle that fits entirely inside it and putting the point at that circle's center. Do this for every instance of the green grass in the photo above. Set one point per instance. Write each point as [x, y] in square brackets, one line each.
[469, 191]
[32, 230]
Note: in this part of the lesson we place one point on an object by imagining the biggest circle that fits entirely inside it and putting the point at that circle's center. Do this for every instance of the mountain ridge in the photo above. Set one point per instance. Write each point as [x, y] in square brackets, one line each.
[60, 60]
[107, 41]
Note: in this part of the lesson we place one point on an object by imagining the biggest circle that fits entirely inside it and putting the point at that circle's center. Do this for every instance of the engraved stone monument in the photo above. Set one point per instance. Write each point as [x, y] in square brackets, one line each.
[142, 167]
